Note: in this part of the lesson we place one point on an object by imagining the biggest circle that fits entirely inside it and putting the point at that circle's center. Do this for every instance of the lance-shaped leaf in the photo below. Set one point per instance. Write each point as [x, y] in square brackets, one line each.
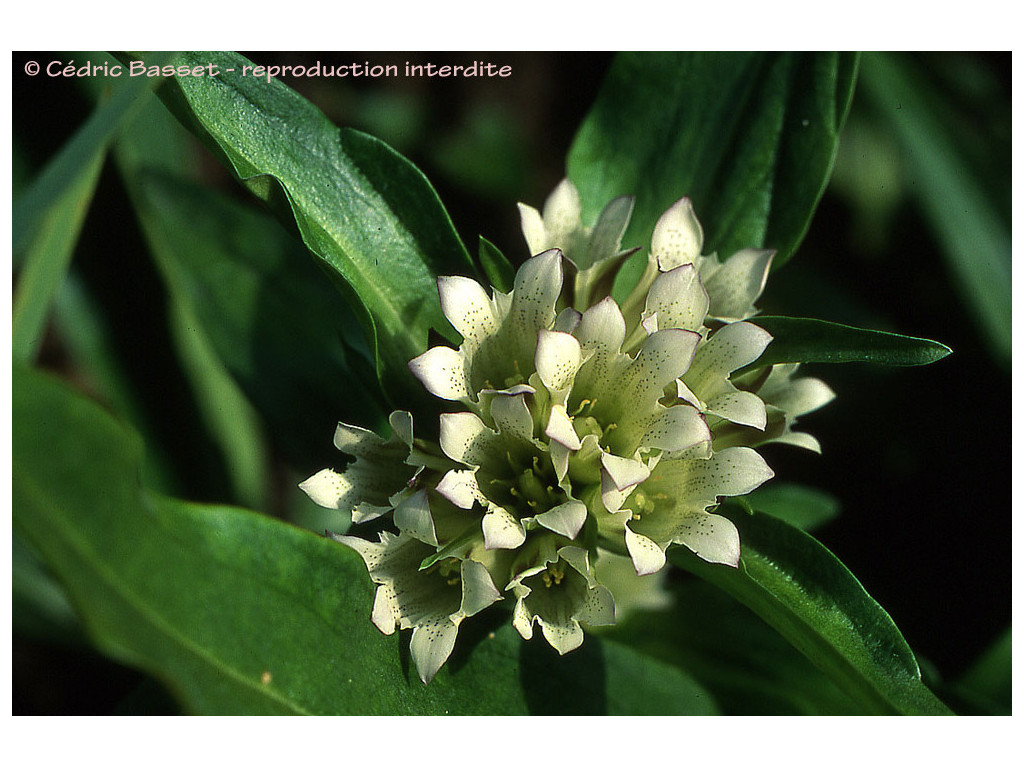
[803, 340]
[803, 591]
[367, 213]
[749, 137]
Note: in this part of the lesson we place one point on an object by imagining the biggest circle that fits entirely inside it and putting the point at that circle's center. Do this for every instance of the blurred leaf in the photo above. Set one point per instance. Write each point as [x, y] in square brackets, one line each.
[800, 506]
[498, 269]
[368, 214]
[749, 137]
[484, 154]
[82, 324]
[39, 605]
[154, 141]
[48, 255]
[804, 592]
[266, 310]
[745, 664]
[78, 157]
[239, 613]
[965, 217]
[804, 340]
[987, 686]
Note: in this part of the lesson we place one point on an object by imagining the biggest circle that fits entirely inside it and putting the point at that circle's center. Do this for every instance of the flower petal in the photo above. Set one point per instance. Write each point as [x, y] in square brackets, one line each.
[712, 537]
[606, 238]
[401, 426]
[522, 619]
[460, 487]
[533, 228]
[599, 608]
[664, 356]
[799, 396]
[327, 488]
[431, 645]
[730, 348]
[512, 417]
[558, 357]
[624, 472]
[677, 237]
[677, 429]
[566, 519]
[412, 515]
[365, 444]
[560, 429]
[739, 407]
[502, 530]
[364, 512]
[562, 636]
[537, 286]
[567, 320]
[697, 484]
[678, 299]
[736, 284]
[602, 327]
[468, 308]
[442, 371]
[559, 459]
[647, 556]
[464, 437]
[562, 212]
[478, 590]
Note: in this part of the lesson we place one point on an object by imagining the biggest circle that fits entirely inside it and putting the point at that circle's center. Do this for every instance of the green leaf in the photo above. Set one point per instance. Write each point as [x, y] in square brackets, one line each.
[802, 590]
[803, 340]
[266, 311]
[48, 255]
[800, 506]
[748, 667]
[245, 300]
[237, 613]
[497, 268]
[39, 606]
[369, 215]
[973, 236]
[84, 328]
[987, 686]
[78, 156]
[749, 137]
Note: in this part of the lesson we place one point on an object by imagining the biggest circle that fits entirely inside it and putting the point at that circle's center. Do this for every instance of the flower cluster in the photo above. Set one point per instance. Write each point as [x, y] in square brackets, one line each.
[581, 433]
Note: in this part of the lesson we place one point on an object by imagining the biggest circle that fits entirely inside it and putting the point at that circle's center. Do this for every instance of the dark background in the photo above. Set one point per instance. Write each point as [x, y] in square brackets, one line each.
[918, 457]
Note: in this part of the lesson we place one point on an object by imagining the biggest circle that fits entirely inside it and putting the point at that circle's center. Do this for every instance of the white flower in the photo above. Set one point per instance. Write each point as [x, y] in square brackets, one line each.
[732, 285]
[584, 434]
[376, 481]
[559, 593]
[499, 332]
[786, 397]
[433, 601]
[596, 252]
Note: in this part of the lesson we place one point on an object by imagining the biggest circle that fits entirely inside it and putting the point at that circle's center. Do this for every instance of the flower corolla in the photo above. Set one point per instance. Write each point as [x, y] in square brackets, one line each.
[579, 431]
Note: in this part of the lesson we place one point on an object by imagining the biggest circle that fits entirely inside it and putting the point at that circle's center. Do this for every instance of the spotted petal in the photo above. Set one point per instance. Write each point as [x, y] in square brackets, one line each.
[468, 308]
[558, 358]
[730, 348]
[465, 438]
[735, 285]
[677, 299]
[412, 515]
[648, 557]
[566, 519]
[442, 371]
[678, 237]
[501, 529]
